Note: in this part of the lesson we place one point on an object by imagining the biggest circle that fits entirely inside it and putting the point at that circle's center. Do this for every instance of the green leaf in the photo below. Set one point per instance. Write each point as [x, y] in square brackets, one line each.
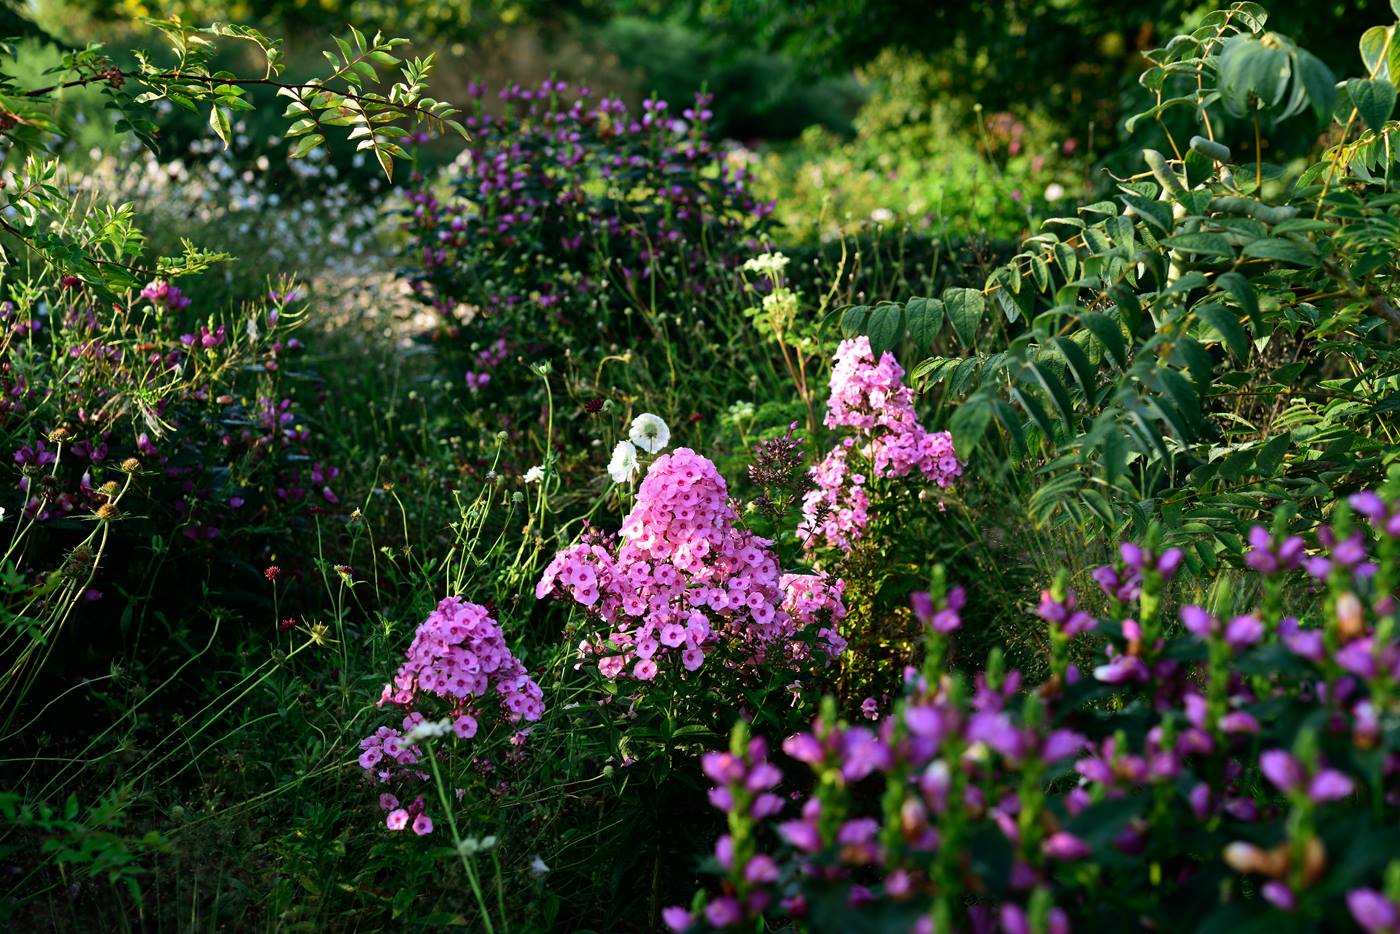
[1109, 333]
[1066, 259]
[1113, 450]
[1241, 291]
[924, 318]
[1210, 244]
[1036, 412]
[1281, 250]
[1156, 213]
[1251, 75]
[1079, 363]
[965, 309]
[1317, 80]
[306, 144]
[853, 320]
[884, 327]
[969, 423]
[1373, 55]
[1055, 390]
[1228, 327]
[1011, 419]
[1374, 99]
[218, 120]
[1270, 457]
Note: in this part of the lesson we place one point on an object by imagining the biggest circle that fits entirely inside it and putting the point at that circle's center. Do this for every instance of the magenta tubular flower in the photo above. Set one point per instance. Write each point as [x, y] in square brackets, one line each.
[1066, 616]
[1375, 913]
[1267, 558]
[1065, 846]
[1279, 895]
[1198, 622]
[1305, 643]
[1330, 785]
[724, 912]
[1282, 769]
[1243, 632]
[676, 918]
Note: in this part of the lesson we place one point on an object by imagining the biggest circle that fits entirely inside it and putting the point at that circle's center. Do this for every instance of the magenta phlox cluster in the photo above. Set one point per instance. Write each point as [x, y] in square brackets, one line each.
[682, 581]
[887, 441]
[458, 656]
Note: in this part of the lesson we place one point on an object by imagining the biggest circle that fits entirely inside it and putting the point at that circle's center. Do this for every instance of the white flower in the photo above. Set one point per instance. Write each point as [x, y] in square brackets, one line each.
[2, 513]
[767, 264]
[882, 215]
[1054, 191]
[538, 867]
[649, 432]
[428, 729]
[623, 466]
[535, 474]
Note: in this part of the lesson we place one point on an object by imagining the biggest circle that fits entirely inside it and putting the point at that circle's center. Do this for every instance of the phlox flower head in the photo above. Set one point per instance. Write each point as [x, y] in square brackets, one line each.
[681, 580]
[457, 656]
[869, 398]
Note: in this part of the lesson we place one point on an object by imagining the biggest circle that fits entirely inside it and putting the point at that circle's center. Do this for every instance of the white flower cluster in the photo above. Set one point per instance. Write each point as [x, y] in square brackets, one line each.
[648, 432]
[767, 264]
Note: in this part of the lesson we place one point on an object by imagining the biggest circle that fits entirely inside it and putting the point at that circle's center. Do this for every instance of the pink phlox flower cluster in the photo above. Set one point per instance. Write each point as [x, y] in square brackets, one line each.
[457, 654]
[814, 602]
[414, 814]
[386, 748]
[889, 442]
[683, 578]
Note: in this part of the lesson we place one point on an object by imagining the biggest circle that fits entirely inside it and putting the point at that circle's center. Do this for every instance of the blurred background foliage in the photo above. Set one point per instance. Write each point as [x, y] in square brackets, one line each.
[958, 119]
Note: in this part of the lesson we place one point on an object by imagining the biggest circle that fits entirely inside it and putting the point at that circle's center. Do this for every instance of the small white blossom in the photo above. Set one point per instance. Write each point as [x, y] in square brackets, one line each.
[649, 433]
[428, 729]
[538, 867]
[882, 215]
[1054, 191]
[767, 264]
[535, 474]
[623, 466]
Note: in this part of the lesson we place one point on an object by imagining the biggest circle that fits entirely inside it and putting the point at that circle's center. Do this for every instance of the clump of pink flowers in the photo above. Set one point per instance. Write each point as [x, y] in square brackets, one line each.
[887, 442]
[458, 655]
[683, 582]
